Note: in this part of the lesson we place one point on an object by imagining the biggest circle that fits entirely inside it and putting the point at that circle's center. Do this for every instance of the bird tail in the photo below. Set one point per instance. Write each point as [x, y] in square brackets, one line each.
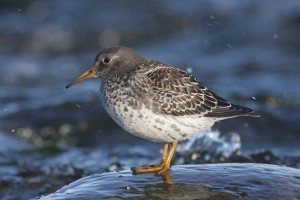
[233, 111]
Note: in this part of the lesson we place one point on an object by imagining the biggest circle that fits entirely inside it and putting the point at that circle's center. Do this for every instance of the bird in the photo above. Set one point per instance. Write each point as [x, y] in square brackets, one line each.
[156, 101]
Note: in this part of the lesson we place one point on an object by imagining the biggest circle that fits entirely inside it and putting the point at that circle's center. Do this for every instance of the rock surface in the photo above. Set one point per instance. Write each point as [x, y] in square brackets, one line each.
[207, 181]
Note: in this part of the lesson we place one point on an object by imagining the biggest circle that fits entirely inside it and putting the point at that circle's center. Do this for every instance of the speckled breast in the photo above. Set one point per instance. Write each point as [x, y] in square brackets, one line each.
[133, 112]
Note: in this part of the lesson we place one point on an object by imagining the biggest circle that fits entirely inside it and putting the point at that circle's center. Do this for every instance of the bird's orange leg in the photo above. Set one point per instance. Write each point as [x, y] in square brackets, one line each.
[163, 157]
[169, 159]
[165, 153]
[159, 168]
[152, 168]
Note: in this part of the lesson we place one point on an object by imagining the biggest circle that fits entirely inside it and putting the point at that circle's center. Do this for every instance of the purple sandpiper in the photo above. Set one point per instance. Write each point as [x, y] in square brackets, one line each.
[156, 101]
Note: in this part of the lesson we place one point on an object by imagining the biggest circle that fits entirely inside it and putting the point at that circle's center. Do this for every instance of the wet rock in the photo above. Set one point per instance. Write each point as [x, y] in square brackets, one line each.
[208, 181]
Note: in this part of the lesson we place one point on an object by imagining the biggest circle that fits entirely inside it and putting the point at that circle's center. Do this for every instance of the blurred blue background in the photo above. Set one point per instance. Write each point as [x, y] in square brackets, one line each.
[247, 52]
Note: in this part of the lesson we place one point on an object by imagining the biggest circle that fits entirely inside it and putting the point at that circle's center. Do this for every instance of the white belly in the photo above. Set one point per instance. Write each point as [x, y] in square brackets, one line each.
[160, 128]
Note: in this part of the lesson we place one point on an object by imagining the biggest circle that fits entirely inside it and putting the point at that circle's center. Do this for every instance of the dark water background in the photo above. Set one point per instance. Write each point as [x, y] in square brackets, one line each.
[247, 52]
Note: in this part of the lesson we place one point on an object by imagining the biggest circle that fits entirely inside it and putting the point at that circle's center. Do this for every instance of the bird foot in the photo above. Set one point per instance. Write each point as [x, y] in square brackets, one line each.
[149, 169]
[151, 166]
[158, 169]
[163, 170]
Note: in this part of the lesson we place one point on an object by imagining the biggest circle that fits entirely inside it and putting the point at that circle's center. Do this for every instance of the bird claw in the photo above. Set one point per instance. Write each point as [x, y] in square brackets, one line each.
[158, 169]
[148, 169]
[162, 171]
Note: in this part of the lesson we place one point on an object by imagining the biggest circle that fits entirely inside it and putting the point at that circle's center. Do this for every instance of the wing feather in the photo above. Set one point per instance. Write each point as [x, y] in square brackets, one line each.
[176, 92]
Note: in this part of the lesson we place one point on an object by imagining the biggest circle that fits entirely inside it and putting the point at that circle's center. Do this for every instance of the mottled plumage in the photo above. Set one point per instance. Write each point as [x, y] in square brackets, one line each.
[155, 101]
[166, 94]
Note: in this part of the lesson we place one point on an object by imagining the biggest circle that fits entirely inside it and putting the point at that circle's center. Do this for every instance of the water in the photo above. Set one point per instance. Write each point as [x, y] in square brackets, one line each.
[246, 52]
[234, 181]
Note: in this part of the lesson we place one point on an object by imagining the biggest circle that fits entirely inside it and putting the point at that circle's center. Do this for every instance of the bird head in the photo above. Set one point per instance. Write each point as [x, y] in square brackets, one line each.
[116, 59]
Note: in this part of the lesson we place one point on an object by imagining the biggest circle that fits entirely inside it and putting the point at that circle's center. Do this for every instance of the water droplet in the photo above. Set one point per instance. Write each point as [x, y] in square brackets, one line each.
[65, 129]
[229, 46]
[194, 156]
[254, 98]
[189, 70]
[112, 168]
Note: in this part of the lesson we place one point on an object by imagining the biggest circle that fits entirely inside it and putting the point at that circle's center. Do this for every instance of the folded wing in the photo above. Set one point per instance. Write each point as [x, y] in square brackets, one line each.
[178, 93]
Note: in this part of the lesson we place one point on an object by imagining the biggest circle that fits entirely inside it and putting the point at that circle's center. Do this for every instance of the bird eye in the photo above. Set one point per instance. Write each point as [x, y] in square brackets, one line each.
[106, 60]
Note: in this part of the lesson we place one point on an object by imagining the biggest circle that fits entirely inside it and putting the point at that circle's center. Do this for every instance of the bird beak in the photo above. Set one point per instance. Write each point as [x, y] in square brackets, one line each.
[86, 75]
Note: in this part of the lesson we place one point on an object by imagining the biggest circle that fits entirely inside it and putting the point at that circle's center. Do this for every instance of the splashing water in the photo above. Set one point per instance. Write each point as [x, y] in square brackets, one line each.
[212, 142]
